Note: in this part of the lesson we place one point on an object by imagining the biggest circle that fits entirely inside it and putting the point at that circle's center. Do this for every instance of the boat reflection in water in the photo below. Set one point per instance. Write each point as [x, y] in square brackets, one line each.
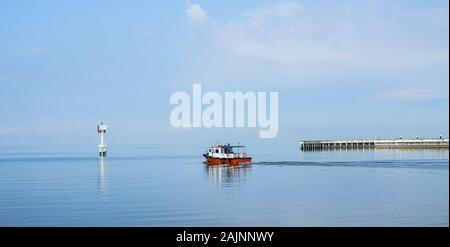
[228, 176]
[102, 179]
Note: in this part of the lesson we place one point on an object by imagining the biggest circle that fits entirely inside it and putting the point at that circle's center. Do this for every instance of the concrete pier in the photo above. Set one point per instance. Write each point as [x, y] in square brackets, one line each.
[317, 145]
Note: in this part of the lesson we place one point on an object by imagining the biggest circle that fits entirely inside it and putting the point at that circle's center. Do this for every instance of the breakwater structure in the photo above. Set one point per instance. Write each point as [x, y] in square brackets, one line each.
[318, 145]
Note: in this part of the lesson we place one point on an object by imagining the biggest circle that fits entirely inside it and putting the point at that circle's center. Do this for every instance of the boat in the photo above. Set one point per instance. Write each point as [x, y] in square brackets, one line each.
[227, 155]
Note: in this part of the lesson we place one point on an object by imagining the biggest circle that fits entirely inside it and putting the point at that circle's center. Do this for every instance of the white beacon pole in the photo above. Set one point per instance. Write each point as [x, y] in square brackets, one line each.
[101, 129]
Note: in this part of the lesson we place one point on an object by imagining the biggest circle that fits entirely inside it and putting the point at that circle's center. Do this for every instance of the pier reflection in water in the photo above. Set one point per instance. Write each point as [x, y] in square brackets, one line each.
[377, 154]
[228, 176]
[102, 179]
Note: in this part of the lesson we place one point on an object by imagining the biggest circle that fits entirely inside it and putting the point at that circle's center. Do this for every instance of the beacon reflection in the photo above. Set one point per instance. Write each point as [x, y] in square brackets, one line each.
[102, 178]
[228, 176]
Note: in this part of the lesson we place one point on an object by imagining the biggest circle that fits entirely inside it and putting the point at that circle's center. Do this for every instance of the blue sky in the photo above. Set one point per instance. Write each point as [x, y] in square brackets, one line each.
[343, 69]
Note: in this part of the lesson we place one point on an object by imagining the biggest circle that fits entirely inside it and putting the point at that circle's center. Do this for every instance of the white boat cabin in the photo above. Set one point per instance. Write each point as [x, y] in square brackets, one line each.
[226, 151]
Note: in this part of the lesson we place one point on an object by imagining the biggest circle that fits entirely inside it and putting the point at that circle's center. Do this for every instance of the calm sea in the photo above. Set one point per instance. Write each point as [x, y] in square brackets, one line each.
[168, 185]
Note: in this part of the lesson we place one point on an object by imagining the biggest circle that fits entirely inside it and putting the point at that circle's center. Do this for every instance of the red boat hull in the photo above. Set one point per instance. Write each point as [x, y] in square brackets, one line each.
[227, 161]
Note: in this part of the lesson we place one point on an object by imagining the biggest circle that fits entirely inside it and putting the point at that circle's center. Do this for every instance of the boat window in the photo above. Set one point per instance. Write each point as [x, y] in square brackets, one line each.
[217, 150]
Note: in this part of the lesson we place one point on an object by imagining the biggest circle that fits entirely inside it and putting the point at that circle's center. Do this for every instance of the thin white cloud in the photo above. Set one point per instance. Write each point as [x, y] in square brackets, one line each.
[258, 17]
[197, 15]
[38, 50]
[42, 126]
[330, 43]
[330, 32]
[415, 94]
